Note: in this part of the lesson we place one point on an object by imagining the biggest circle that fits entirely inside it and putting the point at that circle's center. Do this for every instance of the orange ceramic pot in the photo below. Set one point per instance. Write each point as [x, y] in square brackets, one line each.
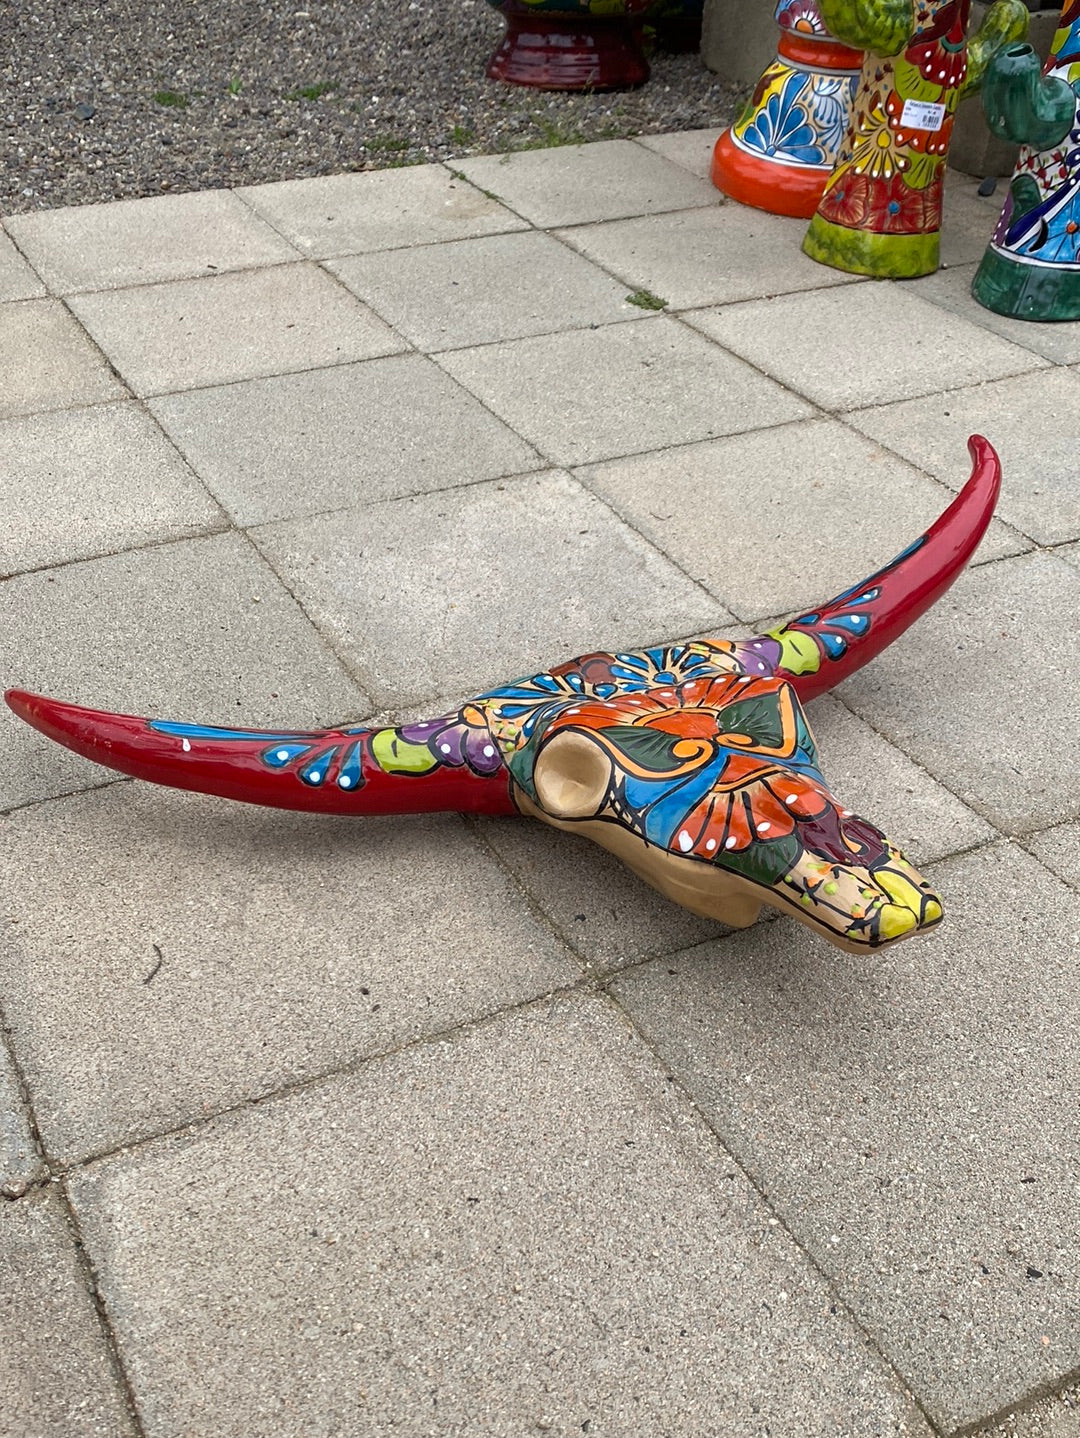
[780, 152]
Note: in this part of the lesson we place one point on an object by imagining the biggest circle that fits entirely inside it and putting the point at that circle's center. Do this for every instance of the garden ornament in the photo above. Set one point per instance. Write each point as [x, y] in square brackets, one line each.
[779, 153]
[693, 762]
[881, 210]
[571, 44]
[1032, 267]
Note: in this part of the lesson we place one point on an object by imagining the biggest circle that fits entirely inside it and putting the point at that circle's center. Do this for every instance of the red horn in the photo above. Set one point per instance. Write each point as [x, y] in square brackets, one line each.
[326, 771]
[821, 648]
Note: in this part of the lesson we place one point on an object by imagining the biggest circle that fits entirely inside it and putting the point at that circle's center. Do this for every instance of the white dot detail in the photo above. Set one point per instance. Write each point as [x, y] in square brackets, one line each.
[710, 844]
[187, 747]
[444, 748]
[764, 827]
[488, 751]
[685, 842]
[345, 782]
[730, 842]
[282, 755]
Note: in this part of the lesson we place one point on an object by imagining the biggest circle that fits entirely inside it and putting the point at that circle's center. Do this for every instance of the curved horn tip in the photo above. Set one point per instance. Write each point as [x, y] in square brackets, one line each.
[19, 701]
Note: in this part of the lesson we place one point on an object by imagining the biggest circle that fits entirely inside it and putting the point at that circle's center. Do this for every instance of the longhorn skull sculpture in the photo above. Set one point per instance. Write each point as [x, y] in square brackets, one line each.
[693, 763]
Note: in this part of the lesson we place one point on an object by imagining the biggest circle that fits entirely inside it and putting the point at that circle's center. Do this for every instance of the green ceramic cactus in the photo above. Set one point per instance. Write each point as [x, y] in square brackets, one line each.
[881, 210]
[1031, 270]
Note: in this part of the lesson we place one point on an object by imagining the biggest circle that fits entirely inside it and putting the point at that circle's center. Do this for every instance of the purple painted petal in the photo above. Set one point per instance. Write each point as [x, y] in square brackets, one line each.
[481, 752]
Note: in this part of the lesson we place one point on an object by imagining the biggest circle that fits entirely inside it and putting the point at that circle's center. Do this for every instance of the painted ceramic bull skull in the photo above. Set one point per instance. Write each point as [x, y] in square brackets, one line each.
[693, 763]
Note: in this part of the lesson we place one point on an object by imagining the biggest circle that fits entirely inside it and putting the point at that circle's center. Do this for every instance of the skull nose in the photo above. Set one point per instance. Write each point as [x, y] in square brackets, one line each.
[572, 776]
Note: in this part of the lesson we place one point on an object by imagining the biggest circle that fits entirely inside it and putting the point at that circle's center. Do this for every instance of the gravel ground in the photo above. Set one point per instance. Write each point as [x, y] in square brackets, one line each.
[135, 97]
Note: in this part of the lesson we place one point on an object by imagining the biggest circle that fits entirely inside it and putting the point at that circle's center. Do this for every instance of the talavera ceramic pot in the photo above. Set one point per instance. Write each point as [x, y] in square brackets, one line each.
[1031, 270]
[779, 153]
[881, 210]
[571, 44]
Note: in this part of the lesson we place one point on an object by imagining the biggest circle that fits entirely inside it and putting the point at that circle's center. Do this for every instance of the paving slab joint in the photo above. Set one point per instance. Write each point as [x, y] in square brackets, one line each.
[949, 491]
[327, 638]
[23, 1096]
[817, 411]
[312, 1083]
[968, 802]
[731, 1153]
[112, 1347]
[1030, 1400]
[590, 974]
[13, 242]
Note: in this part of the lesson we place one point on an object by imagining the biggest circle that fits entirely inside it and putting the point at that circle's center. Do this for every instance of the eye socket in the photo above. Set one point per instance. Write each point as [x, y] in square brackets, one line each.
[572, 776]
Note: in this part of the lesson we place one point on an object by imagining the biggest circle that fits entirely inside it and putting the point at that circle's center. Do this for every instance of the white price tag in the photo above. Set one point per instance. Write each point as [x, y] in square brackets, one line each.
[922, 115]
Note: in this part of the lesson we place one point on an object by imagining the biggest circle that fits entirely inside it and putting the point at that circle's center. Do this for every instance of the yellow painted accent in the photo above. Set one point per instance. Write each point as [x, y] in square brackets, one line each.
[895, 921]
[900, 890]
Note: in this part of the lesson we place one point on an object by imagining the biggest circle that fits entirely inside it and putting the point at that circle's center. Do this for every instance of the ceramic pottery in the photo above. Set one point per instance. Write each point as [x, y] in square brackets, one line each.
[571, 44]
[779, 153]
[881, 210]
[693, 763]
[1032, 267]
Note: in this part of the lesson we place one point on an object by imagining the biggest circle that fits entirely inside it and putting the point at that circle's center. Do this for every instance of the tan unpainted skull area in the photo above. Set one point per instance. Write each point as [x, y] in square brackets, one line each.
[572, 778]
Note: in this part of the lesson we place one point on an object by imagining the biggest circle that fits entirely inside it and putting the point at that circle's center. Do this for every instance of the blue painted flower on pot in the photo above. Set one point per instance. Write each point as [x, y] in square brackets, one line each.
[1031, 269]
[780, 151]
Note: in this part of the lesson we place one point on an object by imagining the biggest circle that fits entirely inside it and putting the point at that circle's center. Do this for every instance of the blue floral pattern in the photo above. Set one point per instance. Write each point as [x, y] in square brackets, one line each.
[802, 121]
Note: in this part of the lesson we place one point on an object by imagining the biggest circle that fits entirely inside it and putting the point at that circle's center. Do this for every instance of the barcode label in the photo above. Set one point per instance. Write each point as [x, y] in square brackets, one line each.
[921, 115]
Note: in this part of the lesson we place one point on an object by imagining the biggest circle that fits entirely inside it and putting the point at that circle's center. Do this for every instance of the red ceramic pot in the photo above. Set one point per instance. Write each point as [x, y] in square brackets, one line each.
[570, 44]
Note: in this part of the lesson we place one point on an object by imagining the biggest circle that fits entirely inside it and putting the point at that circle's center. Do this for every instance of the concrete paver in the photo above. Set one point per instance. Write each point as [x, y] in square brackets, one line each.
[56, 1380]
[351, 214]
[743, 515]
[692, 149]
[447, 595]
[398, 1160]
[951, 289]
[75, 483]
[1059, 850]
[297, 956]
[48, 362]
[926, 1161]
[20, 1163]
[593, 394]
[296, 444]
[577, 184]
[138, 242]
[498, 287]
[1056, 1417]
[856, 345]
[17, 280]
[875, 779]
[231, 327]
[456, 1240]
[1032, 419]
[995, 640]
[606, 913]
[200, 630]
[970, 220]
[706, 257]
